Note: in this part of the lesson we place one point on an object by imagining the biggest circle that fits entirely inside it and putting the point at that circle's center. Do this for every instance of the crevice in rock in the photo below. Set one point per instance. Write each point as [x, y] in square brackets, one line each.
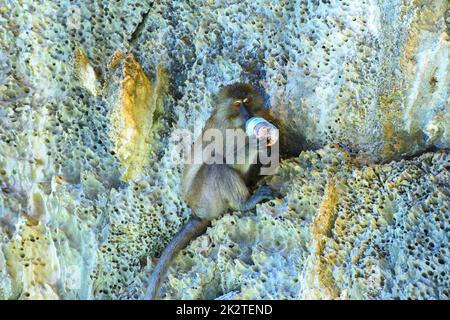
[140, 26]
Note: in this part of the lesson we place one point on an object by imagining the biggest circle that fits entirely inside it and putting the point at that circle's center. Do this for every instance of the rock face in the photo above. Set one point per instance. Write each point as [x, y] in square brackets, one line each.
[339, 231]
[92, 93]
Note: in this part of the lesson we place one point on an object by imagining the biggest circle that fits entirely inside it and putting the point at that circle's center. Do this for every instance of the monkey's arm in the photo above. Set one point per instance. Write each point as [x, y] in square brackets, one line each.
[191, 230]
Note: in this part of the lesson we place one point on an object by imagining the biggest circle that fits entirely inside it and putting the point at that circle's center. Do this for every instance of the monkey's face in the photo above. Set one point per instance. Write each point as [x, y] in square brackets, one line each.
[239, 102]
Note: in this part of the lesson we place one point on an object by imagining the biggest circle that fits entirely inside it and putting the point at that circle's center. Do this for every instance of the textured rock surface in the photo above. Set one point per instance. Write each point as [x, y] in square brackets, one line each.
[90, 94]
[339, 231]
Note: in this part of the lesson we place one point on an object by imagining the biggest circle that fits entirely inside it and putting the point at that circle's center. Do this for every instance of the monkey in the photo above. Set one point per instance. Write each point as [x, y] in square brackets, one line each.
[211, 189]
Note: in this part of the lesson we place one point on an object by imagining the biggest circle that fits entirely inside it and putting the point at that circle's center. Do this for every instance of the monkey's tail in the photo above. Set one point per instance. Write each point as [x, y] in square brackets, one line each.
[192, 229]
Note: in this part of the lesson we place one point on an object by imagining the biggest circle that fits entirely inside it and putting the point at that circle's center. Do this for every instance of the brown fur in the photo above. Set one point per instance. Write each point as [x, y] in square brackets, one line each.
[211, 189]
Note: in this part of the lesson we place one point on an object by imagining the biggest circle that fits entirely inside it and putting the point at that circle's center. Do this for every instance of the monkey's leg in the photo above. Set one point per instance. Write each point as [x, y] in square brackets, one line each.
[191, 230]
[234, 191]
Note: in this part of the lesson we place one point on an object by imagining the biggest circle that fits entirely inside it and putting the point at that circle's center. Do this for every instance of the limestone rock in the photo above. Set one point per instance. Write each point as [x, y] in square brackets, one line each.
[92, 94]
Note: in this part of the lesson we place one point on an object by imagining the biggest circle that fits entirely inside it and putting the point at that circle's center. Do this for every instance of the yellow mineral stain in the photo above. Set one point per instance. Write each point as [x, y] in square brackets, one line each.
[134, 115]
[396, 140]
[34, 262]
[84, 71]
[320, 273]
[117, 56]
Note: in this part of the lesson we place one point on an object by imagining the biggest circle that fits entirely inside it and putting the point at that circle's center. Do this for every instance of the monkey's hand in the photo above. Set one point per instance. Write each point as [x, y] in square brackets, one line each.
[267, 134]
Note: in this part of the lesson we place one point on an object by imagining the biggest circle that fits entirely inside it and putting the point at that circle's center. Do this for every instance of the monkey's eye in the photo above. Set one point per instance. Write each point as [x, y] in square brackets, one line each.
[237, 103]
[247, 100]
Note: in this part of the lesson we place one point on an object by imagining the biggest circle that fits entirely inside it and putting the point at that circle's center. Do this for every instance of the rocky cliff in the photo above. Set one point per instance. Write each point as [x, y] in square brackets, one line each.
[91, 94]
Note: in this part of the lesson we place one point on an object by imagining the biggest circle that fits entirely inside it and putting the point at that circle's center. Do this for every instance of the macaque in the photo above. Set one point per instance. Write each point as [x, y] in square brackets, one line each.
[211, 185]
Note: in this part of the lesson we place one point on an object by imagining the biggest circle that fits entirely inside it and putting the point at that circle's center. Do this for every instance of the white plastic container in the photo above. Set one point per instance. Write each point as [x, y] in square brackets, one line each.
[261, 128]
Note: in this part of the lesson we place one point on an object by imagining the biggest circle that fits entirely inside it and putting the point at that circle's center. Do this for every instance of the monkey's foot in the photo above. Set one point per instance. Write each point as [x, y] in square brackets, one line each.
[263, 193]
